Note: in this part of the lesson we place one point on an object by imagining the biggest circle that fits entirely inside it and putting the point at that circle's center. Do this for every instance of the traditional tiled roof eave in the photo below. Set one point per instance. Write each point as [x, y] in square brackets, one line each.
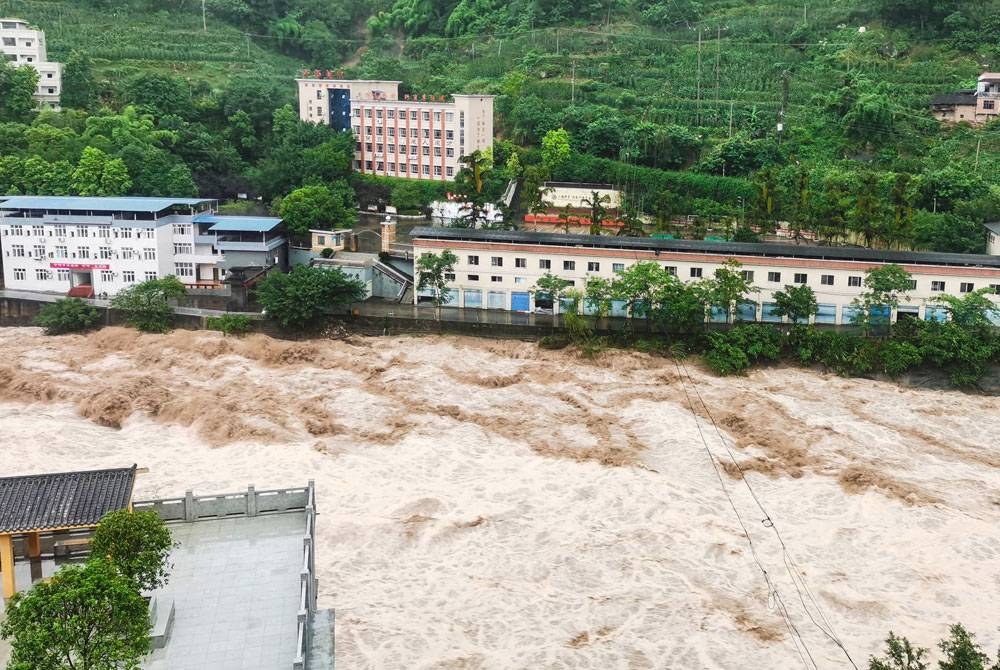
[63, 500]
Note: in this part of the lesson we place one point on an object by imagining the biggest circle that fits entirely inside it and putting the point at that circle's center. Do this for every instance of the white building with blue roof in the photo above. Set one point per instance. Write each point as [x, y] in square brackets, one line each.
[91, 246]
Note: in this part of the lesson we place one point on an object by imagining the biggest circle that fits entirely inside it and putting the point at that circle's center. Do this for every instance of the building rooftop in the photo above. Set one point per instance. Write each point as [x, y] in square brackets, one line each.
[993, 227]
[989, 76]
[959, 98]
[80, 203]
[63, 500]
[701, 246]
[235, 588]
[574, 184]
[253, 224]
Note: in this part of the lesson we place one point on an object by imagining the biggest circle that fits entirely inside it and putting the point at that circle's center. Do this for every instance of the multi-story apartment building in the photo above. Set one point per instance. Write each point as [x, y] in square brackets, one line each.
[498, 269]
[102, 245]
[416, 136]
[25, 46]
[975, 106]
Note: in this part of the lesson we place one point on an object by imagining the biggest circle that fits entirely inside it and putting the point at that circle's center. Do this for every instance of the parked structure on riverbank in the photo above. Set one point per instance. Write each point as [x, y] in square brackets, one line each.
[415, 136]
[498, 269]
[88, 246]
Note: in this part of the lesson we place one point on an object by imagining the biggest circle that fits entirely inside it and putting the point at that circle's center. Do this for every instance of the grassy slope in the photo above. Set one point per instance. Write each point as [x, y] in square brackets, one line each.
[655, 74]
[651, 74]
[122, 44]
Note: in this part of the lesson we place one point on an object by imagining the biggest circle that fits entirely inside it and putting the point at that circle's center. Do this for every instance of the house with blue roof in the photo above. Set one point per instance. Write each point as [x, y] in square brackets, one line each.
[85, 246]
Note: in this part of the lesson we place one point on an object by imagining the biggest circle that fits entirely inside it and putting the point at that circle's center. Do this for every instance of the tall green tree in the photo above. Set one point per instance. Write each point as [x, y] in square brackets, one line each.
[973, 309]
[68, 315]
[886, 285]
[868, 217]
[555, 150]
[146, 305]
[900, 655]
[313, 207]
[728, 288]
[137, 545]
[97, 174]
[84, 617]
[551, 287]
[79, 88]
[17, 92]
[432, 270]
[797, 302]
[597, 203]
[299, 299]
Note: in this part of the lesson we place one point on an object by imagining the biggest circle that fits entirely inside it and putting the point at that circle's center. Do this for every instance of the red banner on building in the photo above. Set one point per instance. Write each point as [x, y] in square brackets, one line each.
[78, 266]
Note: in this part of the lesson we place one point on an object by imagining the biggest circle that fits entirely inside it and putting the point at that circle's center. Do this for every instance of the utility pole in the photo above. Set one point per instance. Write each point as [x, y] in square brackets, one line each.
[805, 14]
[557, 41]
[785, 77]
[731, 118]
[698, 96]
[979, 145]
[204, 21]
[573, 83]
[718, 57]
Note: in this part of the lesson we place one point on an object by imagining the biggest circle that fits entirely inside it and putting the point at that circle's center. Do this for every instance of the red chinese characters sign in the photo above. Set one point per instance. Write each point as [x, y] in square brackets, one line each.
[79, 266]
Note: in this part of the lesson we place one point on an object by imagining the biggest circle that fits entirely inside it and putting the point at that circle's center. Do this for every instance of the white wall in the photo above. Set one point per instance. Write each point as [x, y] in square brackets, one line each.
[840, 294]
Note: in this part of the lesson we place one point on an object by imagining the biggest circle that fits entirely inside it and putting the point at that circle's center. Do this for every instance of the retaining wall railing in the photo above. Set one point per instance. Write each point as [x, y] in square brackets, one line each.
[252, 503]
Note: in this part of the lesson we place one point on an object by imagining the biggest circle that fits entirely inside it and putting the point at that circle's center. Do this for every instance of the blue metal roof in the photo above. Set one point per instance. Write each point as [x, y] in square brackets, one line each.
[78, 203]
[248, 224]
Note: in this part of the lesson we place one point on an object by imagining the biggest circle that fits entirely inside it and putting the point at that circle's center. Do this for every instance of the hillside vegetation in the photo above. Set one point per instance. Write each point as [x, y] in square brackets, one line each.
[656, 96]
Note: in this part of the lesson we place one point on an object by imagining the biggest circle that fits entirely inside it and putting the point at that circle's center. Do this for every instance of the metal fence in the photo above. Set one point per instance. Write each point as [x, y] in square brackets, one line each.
[251, 503]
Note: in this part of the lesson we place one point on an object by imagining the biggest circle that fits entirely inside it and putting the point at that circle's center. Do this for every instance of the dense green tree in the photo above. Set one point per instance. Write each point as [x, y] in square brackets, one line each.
[300, 298]
[137, 545]
[145, 305]
[432, 271]
[79, 87]
[84, 616]
[641, 287]
[550, 287]
[868, 217]
[797, 302]
[555, 149]
[597, 204]
[69, 315]
[886, 285]
[99, 175]
[17, 91]
[900, 655]
[947, 233]
[973, 310]
[159, 95]
[961, 651]
[314, 207]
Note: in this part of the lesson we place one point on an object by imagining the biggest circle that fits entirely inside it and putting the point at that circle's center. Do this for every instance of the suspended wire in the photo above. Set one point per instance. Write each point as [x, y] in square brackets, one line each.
[772, 590]
[791, 566]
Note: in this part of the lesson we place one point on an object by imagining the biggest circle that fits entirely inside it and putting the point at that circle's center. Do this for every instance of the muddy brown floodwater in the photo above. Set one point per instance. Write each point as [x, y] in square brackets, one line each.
[491, 505]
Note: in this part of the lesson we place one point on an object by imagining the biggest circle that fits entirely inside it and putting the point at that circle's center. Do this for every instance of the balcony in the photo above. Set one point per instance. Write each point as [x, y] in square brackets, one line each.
[249, 241]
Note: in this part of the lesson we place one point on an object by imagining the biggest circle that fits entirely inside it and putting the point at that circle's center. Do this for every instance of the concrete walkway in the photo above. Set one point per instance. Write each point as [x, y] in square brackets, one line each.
[235, 585]
[39, 296]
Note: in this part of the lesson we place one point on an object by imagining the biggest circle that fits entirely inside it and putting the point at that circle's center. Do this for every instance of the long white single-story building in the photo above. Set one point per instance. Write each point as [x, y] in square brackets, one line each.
[498, 269]
[90, 246]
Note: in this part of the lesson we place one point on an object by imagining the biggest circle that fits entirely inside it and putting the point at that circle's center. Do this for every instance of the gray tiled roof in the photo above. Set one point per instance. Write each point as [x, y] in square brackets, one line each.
[765, 249]
[65, 499]
[960, 98]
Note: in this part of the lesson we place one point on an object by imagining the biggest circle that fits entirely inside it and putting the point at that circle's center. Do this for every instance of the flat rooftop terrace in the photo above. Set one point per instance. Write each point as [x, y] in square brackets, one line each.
[235, 586]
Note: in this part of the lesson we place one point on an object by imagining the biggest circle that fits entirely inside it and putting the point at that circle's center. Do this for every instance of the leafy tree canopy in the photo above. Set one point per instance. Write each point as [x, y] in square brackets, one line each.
[301, 297]
[85, 616]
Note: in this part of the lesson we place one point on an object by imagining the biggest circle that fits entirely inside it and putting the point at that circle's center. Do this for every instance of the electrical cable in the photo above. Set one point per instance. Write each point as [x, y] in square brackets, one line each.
[794, 633]
[791, 566]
